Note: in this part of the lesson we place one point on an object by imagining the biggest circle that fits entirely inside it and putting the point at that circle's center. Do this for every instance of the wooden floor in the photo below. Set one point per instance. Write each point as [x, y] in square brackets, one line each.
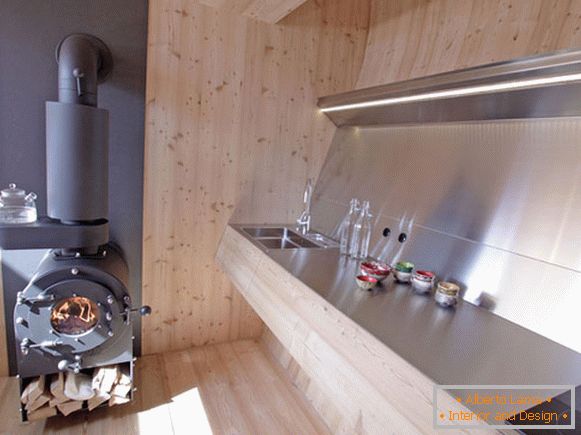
[228, 388]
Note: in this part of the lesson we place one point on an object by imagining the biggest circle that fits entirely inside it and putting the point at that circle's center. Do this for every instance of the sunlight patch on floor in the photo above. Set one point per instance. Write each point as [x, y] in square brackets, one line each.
[185, 413]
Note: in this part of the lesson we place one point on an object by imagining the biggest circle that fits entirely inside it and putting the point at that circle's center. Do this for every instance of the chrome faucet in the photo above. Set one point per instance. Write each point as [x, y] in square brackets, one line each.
[304, 220]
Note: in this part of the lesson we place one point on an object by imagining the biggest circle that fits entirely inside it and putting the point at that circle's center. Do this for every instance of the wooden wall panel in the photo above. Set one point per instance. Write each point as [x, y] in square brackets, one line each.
[414, 38]
[315, 393]
[232, 131]
[270, 11]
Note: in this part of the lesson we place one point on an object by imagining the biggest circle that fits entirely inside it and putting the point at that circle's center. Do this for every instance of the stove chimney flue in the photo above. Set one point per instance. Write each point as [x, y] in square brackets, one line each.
[77, 133]
[84, 61]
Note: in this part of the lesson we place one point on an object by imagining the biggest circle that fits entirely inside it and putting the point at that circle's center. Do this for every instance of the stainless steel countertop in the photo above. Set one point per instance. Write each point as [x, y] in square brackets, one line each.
[465, 345]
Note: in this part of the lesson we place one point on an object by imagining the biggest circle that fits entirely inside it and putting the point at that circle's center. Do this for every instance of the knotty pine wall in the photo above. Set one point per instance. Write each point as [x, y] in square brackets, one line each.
[232, 131]
[414, 38]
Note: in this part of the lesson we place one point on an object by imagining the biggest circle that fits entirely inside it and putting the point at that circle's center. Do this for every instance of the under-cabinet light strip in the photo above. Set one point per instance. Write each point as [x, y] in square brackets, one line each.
[472, 90]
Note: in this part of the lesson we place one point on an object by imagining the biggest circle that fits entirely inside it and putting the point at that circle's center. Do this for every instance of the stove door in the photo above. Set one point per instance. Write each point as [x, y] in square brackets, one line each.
[70, 317]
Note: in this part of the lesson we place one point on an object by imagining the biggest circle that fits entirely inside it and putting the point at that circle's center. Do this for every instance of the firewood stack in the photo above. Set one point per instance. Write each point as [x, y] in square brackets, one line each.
[68, 392]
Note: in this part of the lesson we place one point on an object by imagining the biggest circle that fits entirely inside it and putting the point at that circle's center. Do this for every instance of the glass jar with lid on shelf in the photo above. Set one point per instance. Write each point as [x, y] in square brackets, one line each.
[17, 207]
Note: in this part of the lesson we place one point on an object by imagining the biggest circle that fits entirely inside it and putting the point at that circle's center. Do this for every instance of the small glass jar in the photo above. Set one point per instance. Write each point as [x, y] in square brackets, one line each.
[423, 281]
[16, 207]
[447, 294]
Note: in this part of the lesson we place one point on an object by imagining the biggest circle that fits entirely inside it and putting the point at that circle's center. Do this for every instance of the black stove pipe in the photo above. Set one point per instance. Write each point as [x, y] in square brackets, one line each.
[78, 59]
[77, 134]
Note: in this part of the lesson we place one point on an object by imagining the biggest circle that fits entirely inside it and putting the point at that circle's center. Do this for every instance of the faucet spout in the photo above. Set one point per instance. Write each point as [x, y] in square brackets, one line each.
[304, 220]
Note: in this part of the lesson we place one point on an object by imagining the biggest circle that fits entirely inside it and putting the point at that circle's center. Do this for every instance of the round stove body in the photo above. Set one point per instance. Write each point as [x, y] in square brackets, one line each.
[74, 314]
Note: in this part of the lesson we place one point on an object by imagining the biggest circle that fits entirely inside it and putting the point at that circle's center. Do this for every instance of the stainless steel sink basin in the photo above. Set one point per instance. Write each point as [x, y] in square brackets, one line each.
[284, 238]
[262, 232]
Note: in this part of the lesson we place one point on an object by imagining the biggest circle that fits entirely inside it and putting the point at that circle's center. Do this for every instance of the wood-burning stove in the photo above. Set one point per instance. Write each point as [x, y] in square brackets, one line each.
[72, 322]
[74, 316]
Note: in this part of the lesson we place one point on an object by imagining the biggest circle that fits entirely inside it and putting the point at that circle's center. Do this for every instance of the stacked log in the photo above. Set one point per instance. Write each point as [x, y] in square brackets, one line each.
[65, 393]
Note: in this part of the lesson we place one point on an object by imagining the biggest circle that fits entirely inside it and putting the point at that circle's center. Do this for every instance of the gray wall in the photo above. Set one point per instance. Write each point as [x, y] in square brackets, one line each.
[29, 33]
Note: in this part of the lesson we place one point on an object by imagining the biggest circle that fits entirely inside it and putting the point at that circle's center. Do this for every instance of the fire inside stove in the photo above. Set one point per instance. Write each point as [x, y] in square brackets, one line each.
[74, 316]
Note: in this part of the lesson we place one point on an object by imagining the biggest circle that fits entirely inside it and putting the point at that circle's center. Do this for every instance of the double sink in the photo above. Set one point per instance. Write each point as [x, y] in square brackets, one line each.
[281, 237]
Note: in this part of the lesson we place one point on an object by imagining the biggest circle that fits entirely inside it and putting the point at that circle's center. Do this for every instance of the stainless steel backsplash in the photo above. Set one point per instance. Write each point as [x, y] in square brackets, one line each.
[494, 206]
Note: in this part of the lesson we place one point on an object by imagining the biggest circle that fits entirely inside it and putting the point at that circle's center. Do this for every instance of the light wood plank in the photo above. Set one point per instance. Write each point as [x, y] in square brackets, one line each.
[232, 132]
[269, 11]
[243, 393]
[415, 38]
[313, 391]
[186, 408]
[216, 386]
[220, 389]
[287, 404]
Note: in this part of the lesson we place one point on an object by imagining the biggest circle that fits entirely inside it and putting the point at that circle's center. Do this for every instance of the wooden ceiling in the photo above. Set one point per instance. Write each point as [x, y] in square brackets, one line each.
[269, 11]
